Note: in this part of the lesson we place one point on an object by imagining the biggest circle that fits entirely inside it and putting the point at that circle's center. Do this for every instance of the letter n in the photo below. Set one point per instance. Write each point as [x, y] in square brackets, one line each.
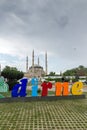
[61, 88]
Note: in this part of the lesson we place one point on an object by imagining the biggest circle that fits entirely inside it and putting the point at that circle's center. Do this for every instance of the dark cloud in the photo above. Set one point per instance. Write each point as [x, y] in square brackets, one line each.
[58, 26]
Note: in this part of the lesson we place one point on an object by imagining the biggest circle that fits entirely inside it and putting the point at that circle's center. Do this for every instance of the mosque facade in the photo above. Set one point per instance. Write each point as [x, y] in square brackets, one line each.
[35, 70]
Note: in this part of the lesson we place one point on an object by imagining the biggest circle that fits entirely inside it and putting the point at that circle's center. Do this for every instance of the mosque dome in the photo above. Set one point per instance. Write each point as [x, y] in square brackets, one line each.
[35, 69]
[36, 66]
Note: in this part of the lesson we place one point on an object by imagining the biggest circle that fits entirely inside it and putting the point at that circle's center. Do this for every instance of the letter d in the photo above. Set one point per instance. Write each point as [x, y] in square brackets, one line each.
[20, 89]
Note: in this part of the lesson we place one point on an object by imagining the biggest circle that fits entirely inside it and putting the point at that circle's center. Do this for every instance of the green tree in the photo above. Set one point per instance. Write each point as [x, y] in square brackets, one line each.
[12, 75]
[51, 73]
[79, 71]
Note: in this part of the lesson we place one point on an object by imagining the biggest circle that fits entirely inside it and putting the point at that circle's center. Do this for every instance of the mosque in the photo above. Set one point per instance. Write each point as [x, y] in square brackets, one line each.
[35, 69]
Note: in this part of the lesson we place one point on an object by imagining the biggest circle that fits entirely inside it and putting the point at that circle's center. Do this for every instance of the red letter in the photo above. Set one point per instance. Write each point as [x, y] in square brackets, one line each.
[45, 87]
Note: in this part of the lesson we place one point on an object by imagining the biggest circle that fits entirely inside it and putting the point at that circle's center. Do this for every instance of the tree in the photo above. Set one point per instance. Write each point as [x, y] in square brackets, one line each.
[12, 75]
[52, 73]
[79, 71]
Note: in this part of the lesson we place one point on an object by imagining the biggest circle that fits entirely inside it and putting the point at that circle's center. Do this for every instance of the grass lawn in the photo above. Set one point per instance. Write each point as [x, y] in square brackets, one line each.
[45, 115]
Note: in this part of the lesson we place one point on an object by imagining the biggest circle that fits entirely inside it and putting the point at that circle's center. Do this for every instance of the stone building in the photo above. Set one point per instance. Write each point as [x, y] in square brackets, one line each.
[35, 69]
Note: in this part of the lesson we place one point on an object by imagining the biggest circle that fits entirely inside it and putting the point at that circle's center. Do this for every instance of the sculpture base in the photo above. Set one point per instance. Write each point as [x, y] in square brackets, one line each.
[39, 98]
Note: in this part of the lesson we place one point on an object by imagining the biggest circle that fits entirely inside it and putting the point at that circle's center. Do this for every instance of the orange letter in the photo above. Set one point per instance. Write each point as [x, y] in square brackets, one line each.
[77, 88]
[61, 88]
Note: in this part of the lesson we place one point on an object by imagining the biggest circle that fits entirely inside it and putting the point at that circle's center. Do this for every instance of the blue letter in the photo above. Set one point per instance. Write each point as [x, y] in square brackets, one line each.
[20, 89]
[34, 83]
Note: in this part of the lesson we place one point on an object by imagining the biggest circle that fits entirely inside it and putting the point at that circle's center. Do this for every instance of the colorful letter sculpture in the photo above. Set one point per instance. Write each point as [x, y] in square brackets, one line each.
[62, 88]
[45, 86]
[20, 89]
[77, 88]
[34, 83]
[3, 86]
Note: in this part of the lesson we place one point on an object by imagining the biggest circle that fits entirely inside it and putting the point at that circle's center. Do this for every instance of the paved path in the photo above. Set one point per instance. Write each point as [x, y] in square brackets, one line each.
[46, 115]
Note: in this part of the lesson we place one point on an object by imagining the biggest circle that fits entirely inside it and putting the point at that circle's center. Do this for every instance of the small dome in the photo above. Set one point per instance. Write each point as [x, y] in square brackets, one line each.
[36, 66]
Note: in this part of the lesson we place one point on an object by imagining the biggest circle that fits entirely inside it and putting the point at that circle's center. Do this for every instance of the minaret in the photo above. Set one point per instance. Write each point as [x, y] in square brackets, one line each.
[33, 62]
[46, 63]
[27, 64]
[38, 61]
[33, 58]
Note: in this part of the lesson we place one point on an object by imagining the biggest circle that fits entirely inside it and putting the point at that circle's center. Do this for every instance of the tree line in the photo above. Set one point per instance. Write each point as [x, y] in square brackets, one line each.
[12, 75]
[79, 71]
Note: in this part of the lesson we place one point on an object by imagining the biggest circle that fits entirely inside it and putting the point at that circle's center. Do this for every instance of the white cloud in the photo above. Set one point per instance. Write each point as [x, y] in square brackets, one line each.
[5, 47]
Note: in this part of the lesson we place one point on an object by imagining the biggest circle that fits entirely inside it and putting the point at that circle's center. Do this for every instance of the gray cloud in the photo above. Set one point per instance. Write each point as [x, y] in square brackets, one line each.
[58, 26]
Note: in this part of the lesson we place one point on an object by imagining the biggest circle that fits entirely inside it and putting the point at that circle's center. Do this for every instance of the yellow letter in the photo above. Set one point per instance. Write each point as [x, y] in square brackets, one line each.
[77, 88]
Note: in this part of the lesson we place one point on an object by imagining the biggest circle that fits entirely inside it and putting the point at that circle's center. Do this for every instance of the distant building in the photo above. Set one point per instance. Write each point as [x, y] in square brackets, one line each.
[35, 70]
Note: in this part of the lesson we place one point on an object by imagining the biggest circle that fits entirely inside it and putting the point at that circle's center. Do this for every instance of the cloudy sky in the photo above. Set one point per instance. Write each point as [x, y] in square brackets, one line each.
[56, 26]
